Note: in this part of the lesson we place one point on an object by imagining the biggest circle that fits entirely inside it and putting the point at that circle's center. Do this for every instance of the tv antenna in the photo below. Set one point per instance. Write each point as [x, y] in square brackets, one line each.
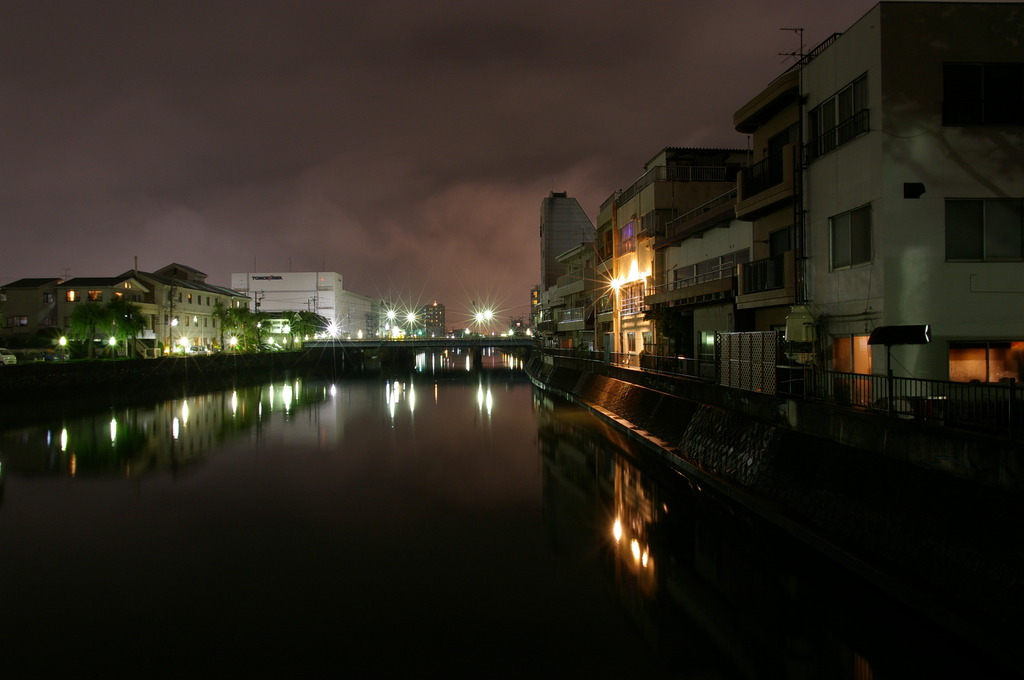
[798, 55]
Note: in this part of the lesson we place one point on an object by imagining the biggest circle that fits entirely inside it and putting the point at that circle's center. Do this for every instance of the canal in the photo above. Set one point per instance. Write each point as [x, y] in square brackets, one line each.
[447, 521]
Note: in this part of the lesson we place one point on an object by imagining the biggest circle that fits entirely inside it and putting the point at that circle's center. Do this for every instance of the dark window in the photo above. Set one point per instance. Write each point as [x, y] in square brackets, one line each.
[983, 93]
[985, 229]
[851, 238]
[839, 119]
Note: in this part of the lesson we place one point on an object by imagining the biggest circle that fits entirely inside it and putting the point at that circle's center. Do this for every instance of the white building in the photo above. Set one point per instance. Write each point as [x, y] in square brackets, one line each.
[353, 315]
[914, 187]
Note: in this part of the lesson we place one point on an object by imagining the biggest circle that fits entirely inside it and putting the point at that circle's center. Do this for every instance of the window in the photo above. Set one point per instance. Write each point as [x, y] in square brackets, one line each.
[631, 341]
[49, 298]
[627, 244]
[839, 119]
[632, 298]
[95, 296]
[985, 229]
[118, 295]
[71, 296]
[190, 298]
[851, 238]
[986, 361]
[851, 354]
[16, 321]
[983, 93]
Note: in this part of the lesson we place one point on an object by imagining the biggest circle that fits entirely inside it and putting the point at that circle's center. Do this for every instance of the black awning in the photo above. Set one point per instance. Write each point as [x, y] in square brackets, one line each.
[900, 335]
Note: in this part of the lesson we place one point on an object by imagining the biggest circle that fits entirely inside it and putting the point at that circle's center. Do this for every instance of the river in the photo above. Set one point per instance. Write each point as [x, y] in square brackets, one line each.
[447, 522]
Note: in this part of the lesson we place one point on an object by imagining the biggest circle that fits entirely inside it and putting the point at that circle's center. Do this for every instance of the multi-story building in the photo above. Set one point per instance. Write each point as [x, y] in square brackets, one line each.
[631, 222]
[431, 319]
[914, 189]
[350, 314]
[102, 290]
[30, 307]
[696, 267]
[770, 283]
[565, 233]
[563, 225]
[183, 308]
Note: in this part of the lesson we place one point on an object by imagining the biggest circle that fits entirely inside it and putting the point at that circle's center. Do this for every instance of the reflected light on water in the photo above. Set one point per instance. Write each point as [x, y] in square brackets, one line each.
[113, 430]
[63, 439]
[175, 427]
[334, 390]
[234, 403]
[286, 397]
[184, 413]
[617, 529]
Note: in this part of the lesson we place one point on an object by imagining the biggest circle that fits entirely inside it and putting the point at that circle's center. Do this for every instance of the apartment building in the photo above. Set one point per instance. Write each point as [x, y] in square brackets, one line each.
[30, 307]
[183, 307]
[914, 189]
[633, 221]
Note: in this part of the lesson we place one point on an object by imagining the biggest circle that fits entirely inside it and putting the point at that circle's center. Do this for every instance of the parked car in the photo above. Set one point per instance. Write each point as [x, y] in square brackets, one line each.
[6, 357]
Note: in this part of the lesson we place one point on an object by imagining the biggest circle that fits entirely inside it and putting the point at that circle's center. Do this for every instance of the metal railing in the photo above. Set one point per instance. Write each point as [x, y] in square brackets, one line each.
[766, 274]
[976, 406]
[762, 175]
[841, 134]
[722, 271]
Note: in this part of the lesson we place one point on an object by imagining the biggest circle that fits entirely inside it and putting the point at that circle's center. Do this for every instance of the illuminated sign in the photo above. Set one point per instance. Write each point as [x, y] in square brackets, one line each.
[268, 277]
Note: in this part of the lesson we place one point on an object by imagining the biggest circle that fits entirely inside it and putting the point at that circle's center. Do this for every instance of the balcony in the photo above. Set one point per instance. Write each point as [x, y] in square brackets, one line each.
[830, 140]
[766, 184]
[767, 283]
[573, 319]
[712, 286]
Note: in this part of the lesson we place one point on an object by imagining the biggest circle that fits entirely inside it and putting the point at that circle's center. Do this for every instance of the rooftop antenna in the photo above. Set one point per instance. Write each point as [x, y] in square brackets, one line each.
[798, 55]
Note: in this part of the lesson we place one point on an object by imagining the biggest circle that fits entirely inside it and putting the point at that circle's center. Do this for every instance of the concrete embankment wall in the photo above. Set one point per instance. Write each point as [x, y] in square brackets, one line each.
[684, 414]
[922, 512]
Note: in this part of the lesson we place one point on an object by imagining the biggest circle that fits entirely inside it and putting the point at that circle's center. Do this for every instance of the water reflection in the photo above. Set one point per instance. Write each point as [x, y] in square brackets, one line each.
[178, 433]
[695, 573]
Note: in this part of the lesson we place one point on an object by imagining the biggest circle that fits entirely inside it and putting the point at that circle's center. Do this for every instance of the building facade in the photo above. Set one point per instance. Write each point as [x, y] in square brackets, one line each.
[914, 184]
[349, 314]
[633, 222]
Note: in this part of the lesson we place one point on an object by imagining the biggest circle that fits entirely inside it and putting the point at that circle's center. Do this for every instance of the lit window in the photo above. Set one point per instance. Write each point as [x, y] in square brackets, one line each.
[96, 296]
[986, 361]
[71, 296]
[851, 354]
[851, 238]
[985, 229]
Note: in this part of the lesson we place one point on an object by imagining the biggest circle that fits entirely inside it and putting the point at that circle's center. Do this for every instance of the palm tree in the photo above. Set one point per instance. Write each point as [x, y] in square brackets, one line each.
[223, 315]
[85, 322]
[127, 320]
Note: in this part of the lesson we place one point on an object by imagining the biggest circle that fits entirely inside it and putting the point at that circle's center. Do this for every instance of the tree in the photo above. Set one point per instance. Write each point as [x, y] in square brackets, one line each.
[85, 322]
[304, 324]
[127, 320]
[223, 315]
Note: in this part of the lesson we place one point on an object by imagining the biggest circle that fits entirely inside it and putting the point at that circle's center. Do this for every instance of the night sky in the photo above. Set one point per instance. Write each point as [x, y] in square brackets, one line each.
[405, 145]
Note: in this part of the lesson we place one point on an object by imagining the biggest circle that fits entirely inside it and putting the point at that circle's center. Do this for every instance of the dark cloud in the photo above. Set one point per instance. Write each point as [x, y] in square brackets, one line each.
[406, 145]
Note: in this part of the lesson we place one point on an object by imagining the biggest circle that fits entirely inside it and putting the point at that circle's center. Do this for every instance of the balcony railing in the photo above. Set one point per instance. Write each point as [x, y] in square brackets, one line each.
[721, 272]
[762, 175]
[766, 274]
[573, 314]
[686, 173]
[832, 139]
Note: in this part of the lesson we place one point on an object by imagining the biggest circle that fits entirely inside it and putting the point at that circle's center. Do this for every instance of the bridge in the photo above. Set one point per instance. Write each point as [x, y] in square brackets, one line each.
[425, 344]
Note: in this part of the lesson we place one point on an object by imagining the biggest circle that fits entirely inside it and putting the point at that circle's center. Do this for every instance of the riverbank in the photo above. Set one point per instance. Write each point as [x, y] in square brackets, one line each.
[944, 541]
